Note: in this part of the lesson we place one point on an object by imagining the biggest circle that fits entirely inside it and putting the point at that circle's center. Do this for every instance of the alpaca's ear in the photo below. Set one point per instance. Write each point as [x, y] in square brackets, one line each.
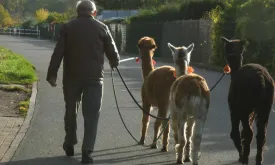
[139, 45]
[190, 48]
[171, 47]
[154, 46]
[225, 39]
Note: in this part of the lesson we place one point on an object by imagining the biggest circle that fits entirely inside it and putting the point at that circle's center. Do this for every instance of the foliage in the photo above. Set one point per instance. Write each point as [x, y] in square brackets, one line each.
[5, 18]
[176, 10]
[29, 23]
[252, 21]
[15, 69]
[61, 17]
[41, 15]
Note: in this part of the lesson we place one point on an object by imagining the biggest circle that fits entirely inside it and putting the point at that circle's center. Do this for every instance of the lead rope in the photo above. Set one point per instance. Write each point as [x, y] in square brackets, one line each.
[118, 109]
[167, 123]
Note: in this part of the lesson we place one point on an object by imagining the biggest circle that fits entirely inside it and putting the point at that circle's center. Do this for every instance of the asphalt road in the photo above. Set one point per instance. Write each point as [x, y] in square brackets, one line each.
[43, 141]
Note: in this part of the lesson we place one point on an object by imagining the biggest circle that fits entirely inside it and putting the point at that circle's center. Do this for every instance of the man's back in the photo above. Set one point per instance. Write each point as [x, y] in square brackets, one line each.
[86, 41]
[82, 44]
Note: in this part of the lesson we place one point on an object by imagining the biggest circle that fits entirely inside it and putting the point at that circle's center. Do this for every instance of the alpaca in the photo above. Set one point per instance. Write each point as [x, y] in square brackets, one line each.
[250, 97]
[189, 104]
[155, 91]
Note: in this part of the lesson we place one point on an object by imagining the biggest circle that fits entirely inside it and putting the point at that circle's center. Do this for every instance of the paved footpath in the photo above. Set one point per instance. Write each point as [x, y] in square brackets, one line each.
[9, 128]
[44, 138]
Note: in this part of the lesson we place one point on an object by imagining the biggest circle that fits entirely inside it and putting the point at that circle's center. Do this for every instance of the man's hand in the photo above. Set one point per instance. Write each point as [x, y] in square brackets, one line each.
[52, 81]
[114, 65]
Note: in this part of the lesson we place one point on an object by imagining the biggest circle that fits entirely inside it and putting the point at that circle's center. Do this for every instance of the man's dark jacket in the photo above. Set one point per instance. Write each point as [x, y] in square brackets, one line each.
[82, 43]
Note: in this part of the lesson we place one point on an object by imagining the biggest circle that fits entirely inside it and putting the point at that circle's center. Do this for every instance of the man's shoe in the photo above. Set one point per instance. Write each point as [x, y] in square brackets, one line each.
[86, 158]
[68, 149]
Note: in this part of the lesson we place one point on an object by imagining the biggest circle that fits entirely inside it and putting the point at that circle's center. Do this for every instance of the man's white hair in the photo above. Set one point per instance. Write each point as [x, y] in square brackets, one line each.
[92, 4]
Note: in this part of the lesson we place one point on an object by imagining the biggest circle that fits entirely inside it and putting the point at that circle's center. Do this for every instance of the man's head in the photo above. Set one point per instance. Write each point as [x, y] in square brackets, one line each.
[86, 7]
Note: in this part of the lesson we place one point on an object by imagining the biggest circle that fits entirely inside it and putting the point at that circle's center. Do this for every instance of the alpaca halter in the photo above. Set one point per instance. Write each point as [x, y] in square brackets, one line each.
[138, 60]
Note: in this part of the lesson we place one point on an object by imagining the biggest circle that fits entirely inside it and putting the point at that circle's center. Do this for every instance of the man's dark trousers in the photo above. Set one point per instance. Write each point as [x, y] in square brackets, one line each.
[90, 96]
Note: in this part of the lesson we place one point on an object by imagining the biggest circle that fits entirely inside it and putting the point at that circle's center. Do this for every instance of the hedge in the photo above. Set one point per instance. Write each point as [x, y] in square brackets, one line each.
[252, 21]
[178, 10]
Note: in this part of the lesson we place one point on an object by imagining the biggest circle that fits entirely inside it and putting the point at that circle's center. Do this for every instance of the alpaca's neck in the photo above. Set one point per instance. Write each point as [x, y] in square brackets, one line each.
[147, 64]
[235, 68]
[181, 68]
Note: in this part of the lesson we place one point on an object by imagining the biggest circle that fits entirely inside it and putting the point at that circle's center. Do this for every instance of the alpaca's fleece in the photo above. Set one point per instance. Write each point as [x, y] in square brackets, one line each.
[188, 86]
[250, 97]
[155, 91]
[158, 83]
[189, 104]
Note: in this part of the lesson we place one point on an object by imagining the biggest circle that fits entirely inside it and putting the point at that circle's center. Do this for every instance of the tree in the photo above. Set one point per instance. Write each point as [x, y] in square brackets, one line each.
[41, 15]
[5, 18]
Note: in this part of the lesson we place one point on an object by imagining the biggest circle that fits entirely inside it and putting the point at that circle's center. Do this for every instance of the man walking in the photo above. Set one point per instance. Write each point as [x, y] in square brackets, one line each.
[82, 43]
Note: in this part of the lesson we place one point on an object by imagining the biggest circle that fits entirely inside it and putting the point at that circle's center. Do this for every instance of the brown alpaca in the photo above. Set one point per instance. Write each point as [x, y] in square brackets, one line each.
[250, 97]
[155, 91]
[189, 104]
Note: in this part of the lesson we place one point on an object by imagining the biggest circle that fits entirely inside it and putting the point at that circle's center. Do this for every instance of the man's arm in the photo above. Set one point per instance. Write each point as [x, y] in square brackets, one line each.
[111, 49]
[57, 55]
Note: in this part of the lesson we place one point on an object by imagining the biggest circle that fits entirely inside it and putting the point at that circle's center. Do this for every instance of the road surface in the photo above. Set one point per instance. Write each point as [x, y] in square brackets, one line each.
[43, 141]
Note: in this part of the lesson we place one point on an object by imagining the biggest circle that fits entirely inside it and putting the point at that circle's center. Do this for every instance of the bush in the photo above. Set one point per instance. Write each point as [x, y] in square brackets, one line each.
[5, 18]
[252, 21]
[29, 23]
[61, 17]
[41, 15]
[55, 17]
[178, 10]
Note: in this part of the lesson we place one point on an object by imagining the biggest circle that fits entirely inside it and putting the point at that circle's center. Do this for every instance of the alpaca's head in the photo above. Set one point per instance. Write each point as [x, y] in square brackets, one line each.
[147, 46]
[181, 56]
[233, 51]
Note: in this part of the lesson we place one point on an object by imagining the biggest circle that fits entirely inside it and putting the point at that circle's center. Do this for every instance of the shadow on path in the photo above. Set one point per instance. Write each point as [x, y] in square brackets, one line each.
[63, 160]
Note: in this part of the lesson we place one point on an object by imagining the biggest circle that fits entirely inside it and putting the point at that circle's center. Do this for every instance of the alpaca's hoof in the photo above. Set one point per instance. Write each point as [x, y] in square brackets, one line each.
[187, 160]
[164, 149]
[244, 161]
[141, 142]
[179, 161]
[154, 146]
[259, 160]
[240, 160]
[258, 163]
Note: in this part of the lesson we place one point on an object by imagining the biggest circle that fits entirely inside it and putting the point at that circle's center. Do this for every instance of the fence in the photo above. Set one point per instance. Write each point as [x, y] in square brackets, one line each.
[21, 32]
[183, 32]
[126, 36]
[43, 31]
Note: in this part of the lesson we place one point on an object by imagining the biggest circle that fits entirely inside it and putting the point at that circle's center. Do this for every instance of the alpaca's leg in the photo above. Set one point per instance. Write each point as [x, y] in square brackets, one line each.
[165, 139]
[156, 132]
[235, 134]
[180, 146]
[246, 135]
[166, 127]
[262, 122]
[156, 128]
[145, 121]
[162, 112]
[196, 139]
[174, 118]
[188, 133]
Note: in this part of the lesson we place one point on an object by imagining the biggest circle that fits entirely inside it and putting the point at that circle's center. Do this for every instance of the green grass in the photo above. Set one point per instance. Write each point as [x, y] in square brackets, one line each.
[15, 69]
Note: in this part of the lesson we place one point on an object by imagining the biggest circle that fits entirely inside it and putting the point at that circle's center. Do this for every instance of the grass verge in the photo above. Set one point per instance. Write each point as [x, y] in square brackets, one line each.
[15, 69]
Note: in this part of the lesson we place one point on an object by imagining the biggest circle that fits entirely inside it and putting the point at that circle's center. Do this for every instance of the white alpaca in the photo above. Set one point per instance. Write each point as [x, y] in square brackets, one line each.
[189, 104]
